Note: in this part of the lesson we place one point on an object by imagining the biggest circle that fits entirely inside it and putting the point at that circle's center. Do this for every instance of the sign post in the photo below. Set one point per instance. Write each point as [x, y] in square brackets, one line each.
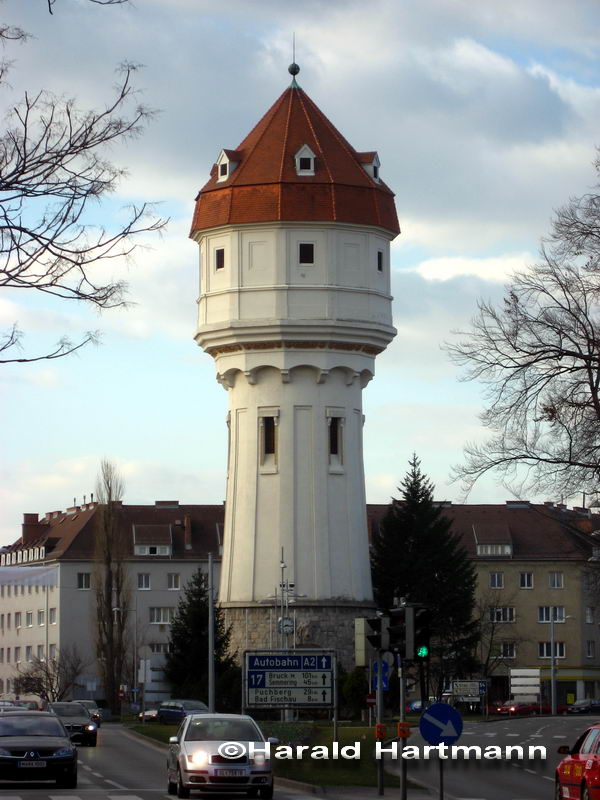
[441, 724]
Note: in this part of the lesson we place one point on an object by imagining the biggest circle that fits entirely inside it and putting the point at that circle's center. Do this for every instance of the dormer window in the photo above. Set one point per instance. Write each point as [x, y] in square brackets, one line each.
[305, 161]
[371, 164]
[227, 161]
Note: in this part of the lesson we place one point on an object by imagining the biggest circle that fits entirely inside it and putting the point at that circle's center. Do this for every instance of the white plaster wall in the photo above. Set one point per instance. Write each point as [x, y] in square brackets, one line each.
[313, 509]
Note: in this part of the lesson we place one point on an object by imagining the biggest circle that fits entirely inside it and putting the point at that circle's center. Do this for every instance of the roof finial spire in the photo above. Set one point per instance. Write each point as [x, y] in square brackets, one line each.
[293, 68]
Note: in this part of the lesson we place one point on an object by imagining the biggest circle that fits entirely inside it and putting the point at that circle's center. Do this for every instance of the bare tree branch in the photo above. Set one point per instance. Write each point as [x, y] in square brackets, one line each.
[51, 678]
[54, 174]
[538, 357]
[52, 3]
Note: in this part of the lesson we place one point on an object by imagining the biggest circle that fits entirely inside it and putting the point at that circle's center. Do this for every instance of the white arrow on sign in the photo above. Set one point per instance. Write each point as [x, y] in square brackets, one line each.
[447, 728]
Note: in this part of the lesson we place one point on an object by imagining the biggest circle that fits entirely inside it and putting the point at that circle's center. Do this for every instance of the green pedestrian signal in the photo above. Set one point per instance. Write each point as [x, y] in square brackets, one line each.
[422, 651]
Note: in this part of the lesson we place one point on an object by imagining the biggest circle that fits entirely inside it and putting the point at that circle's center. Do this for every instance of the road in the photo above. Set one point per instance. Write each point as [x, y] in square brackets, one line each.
[124, 768]
[506, 780]
[121, 767]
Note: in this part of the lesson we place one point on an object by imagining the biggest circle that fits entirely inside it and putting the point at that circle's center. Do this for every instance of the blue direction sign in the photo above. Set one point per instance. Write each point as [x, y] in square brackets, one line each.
[295, 679]
[291, 661]
[482, 688]
[381, 667]
[440, 724]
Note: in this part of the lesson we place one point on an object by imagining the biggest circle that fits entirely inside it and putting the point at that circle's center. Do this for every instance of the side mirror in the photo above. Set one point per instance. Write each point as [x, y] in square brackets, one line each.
[173, 740]
[273, 740]
[564, 749]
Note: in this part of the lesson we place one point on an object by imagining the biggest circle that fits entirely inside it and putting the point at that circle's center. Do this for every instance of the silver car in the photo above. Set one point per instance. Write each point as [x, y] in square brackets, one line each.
[211, 753]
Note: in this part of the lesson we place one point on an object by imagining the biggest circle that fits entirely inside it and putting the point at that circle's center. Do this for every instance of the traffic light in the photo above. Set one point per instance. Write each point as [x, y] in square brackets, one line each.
[380, 636]
[401, 631]
[422, 633]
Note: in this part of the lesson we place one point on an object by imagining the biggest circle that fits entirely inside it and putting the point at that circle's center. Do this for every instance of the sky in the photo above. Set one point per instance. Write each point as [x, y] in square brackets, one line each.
[485, 117]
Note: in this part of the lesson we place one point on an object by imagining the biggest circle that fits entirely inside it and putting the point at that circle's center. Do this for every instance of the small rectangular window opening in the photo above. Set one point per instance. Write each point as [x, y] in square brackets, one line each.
[223, 169]
[306, 253]
[269, 436]
[375, 171]
[334, 436]
[220, 258]
[306, 164]
[380, 261]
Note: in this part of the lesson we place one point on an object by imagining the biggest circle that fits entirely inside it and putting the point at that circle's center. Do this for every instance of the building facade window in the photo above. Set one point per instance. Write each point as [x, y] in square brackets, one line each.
[494, 550]
[159, 647]
[526, 580]
[589, 614]
[556, 580]
[502, 614]
[306, 254]
[8, 655]
[17, 655]
[161, 615]
[546, 613]
[173, 580]
[380, 261]
[29, 653]
[143, 580]
[220, 258]
[29, 619]
[545, 650]
[40, 652]
[590, 649]
[496, 580]
[41, 617]
[84, 580]
[17, 619]
[52, 652]
[52, 616]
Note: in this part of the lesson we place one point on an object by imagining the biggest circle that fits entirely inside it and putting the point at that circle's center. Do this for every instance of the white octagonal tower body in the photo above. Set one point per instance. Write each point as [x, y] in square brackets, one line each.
[294, 228]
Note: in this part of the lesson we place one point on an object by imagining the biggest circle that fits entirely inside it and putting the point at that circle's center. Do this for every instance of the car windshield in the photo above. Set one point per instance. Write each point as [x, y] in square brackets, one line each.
[88, 704]
[27, 726]
[195, 706]
[68, 710]
[217, 730]
[582, 702]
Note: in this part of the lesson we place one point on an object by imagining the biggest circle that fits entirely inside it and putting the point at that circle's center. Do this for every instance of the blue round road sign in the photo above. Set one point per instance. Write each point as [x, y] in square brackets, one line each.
[440, 724]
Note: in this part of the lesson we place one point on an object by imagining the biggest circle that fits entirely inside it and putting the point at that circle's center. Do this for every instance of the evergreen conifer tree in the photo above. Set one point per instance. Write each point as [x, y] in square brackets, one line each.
[186, 667]
[415, 555]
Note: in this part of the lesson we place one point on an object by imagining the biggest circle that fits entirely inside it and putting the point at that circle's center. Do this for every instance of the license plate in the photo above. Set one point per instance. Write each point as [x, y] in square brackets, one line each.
[230, 773]
[31, 763]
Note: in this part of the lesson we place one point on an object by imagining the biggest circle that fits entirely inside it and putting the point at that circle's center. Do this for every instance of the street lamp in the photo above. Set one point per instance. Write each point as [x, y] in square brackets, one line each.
[553, 619]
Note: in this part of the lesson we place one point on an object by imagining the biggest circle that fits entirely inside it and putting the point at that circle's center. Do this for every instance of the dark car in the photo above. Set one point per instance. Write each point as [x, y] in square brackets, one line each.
[171, 712]
[516, 709]
[92, 709]
[584, 707]
[77, 721]
[34, 746]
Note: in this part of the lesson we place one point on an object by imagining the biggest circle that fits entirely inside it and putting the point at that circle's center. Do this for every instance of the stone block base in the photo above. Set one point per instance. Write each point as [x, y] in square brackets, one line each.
[327, 625]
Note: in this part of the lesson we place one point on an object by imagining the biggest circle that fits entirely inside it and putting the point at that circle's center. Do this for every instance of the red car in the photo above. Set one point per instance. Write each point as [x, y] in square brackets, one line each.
[578, 775]
[515, 709]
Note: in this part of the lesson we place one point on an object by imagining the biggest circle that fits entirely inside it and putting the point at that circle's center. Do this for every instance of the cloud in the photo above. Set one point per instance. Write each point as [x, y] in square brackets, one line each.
[495, 269]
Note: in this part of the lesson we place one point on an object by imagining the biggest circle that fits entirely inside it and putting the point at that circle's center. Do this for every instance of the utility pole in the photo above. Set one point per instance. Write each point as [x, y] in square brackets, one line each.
[211, 637]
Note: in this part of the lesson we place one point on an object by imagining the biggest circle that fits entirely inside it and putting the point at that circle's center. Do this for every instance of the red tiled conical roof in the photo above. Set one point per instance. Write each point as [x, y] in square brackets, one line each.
[265, 187]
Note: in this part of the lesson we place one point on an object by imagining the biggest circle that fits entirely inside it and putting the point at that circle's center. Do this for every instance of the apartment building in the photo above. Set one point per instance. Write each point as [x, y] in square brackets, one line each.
[48, 611]
[537, 580]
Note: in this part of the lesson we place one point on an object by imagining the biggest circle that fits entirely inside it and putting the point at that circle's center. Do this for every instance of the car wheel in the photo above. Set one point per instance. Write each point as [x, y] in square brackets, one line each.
[182, 791]
[92, 742]
[171, 787]
[266, 793]
[67, 781]
[557, 791]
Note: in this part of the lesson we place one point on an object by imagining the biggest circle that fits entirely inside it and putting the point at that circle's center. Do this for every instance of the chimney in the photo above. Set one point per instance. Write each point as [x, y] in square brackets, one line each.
[31, 528]
[187, 532]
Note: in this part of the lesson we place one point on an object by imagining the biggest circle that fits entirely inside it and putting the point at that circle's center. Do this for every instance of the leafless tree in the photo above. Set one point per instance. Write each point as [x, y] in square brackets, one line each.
[54, 678]
[111, 585]
[493, 632]
[538, 357]
[53, 171]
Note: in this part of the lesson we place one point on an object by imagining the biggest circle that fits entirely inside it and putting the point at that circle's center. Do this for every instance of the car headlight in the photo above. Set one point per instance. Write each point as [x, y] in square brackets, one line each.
[199, 758]
[63, 752]
[90, 727]
[259, 760]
